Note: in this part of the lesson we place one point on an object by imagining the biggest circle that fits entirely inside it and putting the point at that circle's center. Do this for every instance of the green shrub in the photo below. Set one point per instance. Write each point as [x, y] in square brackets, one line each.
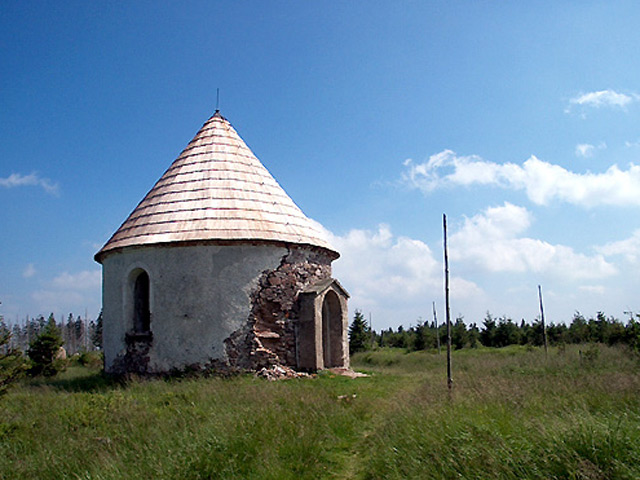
[45, 352]
[12, 364]
[91, 359]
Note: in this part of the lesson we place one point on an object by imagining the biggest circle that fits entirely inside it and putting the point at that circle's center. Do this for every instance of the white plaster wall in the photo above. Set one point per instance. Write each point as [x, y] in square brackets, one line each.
[199, 295]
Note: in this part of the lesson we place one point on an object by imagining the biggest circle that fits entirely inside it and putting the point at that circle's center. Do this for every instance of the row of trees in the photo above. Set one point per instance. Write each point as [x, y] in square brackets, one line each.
[44, 356]
[43, 342]
[496, 332]
[78, 334]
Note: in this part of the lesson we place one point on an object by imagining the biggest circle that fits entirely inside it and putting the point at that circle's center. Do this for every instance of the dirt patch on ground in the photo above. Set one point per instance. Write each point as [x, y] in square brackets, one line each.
[347, 372]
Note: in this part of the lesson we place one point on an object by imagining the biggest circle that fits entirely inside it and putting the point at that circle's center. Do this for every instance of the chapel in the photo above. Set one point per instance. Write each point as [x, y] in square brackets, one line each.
[217, 268]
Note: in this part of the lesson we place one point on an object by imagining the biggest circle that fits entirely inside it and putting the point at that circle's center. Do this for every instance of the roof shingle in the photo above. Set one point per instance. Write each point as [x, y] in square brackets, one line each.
[216, 190]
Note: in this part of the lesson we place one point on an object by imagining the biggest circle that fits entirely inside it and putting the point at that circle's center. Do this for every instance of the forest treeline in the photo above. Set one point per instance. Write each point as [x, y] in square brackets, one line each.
[496, 332]
[78, 334]
[47, 345]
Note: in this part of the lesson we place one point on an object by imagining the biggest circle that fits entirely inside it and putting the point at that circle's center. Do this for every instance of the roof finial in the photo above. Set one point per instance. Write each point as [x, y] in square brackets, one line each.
[217, 100]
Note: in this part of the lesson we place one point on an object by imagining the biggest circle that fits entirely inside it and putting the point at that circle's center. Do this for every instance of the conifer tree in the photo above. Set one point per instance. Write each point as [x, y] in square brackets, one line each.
[96, 337]
[12, 364]
[420, 342]
[44, 349]
[359, 333]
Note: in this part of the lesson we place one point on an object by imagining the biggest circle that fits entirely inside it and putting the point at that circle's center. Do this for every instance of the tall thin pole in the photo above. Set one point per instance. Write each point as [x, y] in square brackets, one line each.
[544, 327]
[447, 308]
[435, 320]
[371, 330]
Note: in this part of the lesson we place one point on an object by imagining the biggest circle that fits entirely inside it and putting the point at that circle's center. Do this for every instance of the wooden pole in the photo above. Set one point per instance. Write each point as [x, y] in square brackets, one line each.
[544, 327]
[371, 331]
[447, 308]
[435, 320]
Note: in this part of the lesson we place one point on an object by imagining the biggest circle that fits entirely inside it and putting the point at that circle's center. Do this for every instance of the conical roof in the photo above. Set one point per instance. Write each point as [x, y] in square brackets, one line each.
[216, 190]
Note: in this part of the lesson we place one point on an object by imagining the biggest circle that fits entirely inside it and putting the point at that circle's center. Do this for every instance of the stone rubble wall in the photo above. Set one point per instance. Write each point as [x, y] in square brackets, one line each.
[269, 337]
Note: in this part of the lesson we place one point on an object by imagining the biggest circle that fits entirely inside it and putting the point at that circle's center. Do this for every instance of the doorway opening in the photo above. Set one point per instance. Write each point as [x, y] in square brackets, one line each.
[332, 344]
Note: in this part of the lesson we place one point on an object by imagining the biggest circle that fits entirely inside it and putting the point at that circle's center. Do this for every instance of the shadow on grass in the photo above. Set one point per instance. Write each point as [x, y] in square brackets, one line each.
[84, 380]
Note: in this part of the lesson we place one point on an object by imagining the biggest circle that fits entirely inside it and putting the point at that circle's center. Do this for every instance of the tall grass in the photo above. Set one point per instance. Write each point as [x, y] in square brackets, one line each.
[516, 414]
[513, 413]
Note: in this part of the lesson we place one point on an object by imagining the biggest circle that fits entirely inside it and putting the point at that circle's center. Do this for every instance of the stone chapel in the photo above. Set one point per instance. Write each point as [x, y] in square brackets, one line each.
[217, 268]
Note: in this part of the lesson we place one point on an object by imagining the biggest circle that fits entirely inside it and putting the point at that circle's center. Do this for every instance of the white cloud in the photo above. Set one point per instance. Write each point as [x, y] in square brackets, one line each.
[55, 301]
[493, 241]
[593, 289]
[379, 265]
[543, 182]
[586, 150]
[29, 271]
[33, 179]
[83, 280]
[603, 98]
[446, 168]
[494, 265]
[628, 248]
[394, 277]
[70, 292]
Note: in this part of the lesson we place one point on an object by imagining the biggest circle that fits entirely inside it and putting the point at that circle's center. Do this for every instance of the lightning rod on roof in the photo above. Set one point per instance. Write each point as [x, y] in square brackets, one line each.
[217, 99]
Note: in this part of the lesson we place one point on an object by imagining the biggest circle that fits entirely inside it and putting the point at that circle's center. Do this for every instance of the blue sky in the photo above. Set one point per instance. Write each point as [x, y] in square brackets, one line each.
[519, 121]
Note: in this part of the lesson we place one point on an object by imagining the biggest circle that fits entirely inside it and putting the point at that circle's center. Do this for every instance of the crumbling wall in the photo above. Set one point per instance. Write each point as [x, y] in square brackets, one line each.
[136, 357]
[198, 296]
[269, 336]
[221, 307]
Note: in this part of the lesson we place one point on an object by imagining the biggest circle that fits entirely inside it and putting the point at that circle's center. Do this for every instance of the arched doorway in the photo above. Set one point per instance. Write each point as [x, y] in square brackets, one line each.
[332, 345]
[141, 311]
[321, 330]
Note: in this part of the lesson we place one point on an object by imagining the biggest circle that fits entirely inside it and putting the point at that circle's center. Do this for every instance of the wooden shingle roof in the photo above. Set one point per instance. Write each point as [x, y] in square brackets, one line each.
[216, 190]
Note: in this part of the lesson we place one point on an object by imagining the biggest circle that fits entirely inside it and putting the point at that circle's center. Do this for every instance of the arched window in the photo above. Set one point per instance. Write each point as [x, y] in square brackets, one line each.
[141, 312]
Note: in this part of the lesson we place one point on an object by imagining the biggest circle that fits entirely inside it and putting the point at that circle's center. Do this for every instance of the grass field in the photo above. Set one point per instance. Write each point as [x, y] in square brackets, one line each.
[514, 413]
